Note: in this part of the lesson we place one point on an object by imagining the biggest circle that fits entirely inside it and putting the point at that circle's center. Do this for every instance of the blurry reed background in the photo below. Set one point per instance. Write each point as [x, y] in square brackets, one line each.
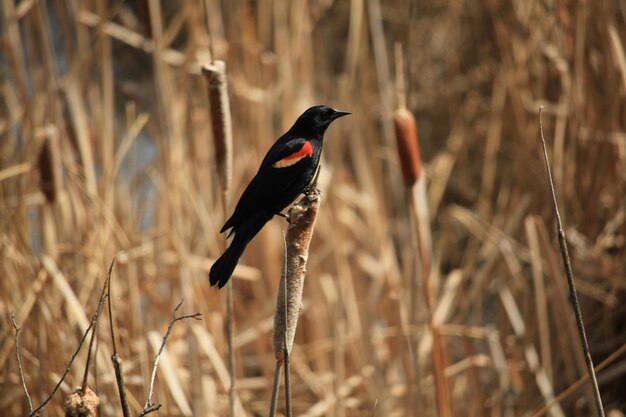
[105, 146]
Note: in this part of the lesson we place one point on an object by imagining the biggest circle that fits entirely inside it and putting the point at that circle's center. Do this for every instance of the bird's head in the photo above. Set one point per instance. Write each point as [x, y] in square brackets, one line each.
[317, 119]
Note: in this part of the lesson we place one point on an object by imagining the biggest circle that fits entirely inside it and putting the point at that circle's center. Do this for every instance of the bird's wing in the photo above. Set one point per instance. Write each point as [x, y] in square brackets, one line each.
[266, 184]
[250, 194]
[287, 150]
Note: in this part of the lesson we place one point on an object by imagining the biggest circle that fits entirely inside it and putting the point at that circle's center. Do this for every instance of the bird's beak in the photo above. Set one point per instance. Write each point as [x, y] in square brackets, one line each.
[339, 113]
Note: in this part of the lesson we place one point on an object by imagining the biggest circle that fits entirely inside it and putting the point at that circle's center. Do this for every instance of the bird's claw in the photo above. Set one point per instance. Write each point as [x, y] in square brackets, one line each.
[310, 191]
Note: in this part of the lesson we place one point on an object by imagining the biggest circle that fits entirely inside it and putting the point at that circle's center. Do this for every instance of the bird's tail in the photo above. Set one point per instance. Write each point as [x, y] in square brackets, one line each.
[224, 266]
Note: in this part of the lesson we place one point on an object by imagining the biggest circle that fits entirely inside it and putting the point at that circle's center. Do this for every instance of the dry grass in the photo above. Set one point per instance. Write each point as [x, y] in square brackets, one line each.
[105, 145]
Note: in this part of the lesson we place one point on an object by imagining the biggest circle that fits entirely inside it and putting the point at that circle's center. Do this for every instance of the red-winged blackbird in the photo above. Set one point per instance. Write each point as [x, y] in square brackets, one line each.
[285, 173]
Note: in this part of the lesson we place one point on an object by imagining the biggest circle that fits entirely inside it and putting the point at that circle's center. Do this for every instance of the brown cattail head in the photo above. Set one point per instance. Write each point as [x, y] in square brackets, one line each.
[81, 404]
[215, 74]
[48, 164]
[407, 143]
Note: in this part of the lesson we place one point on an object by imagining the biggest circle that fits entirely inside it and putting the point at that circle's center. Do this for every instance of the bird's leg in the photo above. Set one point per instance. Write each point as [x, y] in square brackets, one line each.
[313, 185]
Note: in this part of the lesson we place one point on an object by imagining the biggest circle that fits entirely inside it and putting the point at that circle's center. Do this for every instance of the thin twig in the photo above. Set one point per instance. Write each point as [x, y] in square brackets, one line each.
[92, 323]
[576, 385]
[285, 344]
[230, 330]
[276, 383]
[19, 362]
[103, 295]
[287, 384]
[374, 408]
[570, 280]
[150, 407]
[275, 387]
[117, 362]
[208, 29]
[400, 86]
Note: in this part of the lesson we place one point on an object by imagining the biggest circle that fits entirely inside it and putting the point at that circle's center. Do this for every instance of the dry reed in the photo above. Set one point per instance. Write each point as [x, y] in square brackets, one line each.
[215, 74]
[120, 87]
[302, 217]
[573, 294]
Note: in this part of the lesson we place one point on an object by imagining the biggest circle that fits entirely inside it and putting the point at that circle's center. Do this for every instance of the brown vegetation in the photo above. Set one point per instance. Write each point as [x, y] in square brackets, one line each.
[106, 146]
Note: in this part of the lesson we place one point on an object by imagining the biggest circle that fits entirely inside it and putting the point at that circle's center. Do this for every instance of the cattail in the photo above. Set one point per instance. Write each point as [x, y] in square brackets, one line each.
[407, 143]
[302, 222]
[289, 300]
[48, 164]
[215, 74]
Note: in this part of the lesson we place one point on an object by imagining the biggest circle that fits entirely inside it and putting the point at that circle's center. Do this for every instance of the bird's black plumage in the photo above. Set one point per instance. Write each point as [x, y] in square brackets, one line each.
[286, 171]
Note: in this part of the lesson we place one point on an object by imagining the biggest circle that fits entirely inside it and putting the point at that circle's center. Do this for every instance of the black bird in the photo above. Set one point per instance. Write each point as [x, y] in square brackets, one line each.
[285, 173]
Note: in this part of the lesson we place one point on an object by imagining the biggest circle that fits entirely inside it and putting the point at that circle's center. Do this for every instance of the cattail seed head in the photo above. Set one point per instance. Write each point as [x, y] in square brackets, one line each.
[48, 166]
[215, 74]
[302, 222]
[407, 143]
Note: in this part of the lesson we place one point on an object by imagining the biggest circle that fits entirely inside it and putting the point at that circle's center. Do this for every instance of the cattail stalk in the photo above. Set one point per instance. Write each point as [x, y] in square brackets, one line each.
[407, 143]
[215, 74]
[569, 275]
[302, 218]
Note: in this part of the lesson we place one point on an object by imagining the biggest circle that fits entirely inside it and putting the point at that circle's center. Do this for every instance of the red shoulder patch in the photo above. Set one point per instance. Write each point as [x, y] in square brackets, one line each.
[303, 152]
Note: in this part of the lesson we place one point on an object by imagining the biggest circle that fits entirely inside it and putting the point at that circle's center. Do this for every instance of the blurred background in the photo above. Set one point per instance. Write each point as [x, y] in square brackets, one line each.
[106, 146]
